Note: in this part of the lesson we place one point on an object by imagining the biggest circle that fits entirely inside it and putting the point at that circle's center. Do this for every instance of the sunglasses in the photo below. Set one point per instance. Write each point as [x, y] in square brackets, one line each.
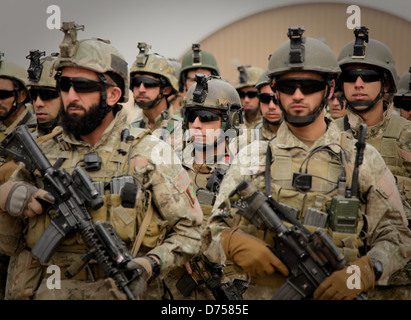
[203, 115]
[248, 94]
[402, 103]
[5, 94]
[267, 97]
[339, 97]
[80, 85]
[147, 82]
[44, 94]
[306, 85]
[367, 75]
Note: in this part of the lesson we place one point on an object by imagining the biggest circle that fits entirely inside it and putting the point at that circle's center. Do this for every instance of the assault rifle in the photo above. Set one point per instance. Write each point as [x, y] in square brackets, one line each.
[310, 258]
[73, 194]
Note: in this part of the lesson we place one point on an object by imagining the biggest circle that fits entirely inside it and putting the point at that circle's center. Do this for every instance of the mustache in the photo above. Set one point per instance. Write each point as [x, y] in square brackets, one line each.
[73, 105]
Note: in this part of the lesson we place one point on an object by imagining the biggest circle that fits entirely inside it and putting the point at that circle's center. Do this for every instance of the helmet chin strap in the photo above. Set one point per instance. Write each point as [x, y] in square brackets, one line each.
[252, 111]
[274, 123]
[152, 104]
[209, 146]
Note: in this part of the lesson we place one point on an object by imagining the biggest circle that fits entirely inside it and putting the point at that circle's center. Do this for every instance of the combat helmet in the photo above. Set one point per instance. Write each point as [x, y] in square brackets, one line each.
[404, 90]
[153, 63]
[371, 52]
[248, 76]
[303, 54]
[197, 59]
[18, 75]
[212, 92]
[94, 54]
[41, 71]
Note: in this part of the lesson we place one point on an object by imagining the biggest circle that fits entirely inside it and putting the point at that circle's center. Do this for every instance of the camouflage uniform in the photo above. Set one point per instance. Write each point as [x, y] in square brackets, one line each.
[375, 182]
[172, 231]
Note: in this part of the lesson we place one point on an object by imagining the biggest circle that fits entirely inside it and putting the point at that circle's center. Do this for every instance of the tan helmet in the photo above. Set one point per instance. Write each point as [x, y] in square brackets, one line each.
[13, 71]
[372, 52]
[212, 92]
[263, 80]
[155, 64]
[41, 71]
[248, 76]
[404, 86]
[94, 54]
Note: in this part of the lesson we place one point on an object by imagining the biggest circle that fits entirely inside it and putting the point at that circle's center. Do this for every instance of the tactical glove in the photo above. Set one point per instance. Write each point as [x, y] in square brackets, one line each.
[18, 198]
[144, 266]
[250, 253]
[338, 286]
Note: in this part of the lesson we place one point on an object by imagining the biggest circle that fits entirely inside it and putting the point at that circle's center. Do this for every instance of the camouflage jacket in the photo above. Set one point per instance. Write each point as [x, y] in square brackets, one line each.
[387, 235]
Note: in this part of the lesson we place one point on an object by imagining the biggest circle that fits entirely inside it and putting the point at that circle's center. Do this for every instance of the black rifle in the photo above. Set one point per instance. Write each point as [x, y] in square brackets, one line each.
[73, 194]
[310, 258]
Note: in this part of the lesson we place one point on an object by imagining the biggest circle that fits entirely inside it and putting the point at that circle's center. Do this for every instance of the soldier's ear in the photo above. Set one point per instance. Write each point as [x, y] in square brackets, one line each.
[167, 90]
[113, 95]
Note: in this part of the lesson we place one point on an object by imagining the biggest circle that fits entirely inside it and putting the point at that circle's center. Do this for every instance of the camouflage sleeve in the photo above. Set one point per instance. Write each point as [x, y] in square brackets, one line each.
[249, 162]
[175, 200]
[387, 233]
[405, 148]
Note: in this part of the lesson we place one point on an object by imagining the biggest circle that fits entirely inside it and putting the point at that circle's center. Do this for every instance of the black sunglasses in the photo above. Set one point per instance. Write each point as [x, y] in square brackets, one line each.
[267, 97]
[5, 94]
[146, 81]
[339, 97]
[203, 115]
[367, 75]
[43, 93]
[306, 85]
[249, 94]
[402, 103]
[80, 85]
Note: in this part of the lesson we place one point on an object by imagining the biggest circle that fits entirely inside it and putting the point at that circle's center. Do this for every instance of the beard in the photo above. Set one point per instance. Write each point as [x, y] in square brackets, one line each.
[82, 125]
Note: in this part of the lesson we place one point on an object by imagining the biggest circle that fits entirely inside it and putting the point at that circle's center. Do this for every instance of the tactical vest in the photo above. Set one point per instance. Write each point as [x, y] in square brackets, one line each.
[318, 197]
[126, 221]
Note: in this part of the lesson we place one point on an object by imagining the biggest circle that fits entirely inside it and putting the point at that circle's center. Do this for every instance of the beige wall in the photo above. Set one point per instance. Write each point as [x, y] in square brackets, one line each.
[252, 39]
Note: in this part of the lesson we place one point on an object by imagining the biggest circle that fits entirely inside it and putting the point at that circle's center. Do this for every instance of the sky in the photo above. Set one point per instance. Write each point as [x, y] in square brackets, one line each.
[169, 26]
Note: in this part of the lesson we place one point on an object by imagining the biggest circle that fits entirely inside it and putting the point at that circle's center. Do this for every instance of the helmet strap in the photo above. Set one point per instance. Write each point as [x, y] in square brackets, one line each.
[369, 103]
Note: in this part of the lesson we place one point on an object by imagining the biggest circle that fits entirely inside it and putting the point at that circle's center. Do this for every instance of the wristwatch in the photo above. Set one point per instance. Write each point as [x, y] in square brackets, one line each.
[155, 266]
[378, 268]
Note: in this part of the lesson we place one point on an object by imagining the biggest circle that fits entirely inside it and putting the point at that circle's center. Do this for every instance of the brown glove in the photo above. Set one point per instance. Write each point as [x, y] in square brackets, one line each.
[338, 286]
[250, 253]
[18, 198]
[144, 267]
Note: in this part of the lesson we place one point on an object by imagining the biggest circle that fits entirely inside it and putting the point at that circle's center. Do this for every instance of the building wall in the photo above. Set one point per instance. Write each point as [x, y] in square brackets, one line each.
[251, 40]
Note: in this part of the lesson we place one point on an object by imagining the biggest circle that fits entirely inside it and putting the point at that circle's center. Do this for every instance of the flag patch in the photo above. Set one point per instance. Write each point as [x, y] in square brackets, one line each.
[191, 196]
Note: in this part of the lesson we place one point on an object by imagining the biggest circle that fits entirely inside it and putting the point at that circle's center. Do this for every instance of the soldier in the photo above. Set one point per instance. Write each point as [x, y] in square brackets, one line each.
[402, 98]
[245, 85]
[309, 147]
[152, 80]
[337, 106]
[212, 114]
[94, 127]
[270, 110]
[196, 61]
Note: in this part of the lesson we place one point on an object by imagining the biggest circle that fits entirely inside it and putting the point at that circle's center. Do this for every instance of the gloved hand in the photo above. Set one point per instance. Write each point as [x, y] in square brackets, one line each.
[250, 253]
[335, 286]
[144, 267]
[17, 198]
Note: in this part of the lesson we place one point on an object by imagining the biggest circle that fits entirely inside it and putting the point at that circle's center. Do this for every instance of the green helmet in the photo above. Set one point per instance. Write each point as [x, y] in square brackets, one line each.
[197, 59]
[248, 76]
[371, 52]
[212, 92]
[155, 64]
[303, 54]
[41, 71]
[94, 54]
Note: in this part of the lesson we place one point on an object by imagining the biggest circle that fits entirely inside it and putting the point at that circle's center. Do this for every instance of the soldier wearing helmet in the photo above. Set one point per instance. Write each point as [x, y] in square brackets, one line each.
[245, 85]
[152, 81]
[269, 108]
[92, 79]
[212, 117]
[299, 169]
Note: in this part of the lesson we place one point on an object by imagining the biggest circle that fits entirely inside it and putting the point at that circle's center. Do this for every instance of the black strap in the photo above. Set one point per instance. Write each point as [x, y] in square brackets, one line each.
[346, 123]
